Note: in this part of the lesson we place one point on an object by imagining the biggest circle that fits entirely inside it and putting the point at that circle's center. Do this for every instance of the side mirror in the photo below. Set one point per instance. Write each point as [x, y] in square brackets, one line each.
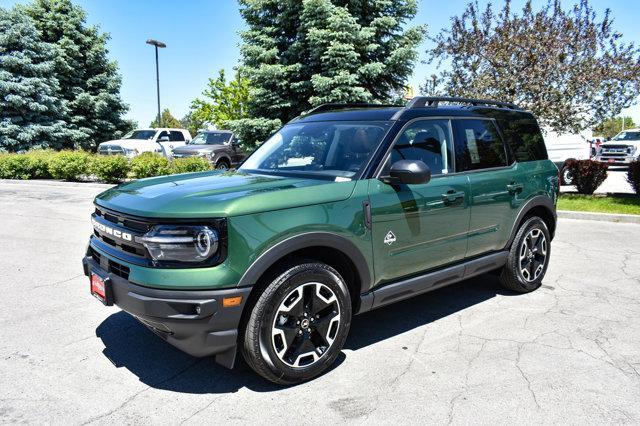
[409, 172]
[163, 139]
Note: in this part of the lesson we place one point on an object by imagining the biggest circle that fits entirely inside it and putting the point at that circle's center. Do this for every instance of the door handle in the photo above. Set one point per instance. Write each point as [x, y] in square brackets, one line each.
[451, 197]
[515, 188]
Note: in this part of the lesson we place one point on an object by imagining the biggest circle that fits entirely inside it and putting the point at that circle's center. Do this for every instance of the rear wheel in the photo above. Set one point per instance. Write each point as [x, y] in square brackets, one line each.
[222, 165]
[299, 324]
[566, 175]
[528, 257]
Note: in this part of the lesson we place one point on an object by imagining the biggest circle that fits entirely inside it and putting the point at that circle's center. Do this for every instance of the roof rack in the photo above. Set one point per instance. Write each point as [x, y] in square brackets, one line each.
[334, 106]
[432, 101]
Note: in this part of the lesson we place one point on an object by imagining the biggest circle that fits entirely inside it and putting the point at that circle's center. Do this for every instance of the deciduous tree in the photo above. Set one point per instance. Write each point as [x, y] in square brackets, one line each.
[612, 126]
[572, 69]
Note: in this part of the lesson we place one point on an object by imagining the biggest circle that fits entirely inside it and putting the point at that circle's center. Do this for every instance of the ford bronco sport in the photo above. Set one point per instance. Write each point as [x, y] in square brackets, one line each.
[345, 209]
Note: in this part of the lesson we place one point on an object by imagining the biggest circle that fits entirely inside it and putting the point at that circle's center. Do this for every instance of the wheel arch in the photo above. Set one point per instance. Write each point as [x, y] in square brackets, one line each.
[541, 206]
[332, 249]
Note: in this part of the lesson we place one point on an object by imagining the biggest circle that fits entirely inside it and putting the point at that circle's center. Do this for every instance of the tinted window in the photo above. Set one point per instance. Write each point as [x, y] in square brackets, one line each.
[427, 141]
[176, 136]
[524, 138]
[217, 138]
[164, 133]
[478, 145]
[326, 149]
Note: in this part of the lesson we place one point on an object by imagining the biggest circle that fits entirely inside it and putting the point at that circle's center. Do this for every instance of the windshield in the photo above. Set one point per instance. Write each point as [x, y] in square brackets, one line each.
[332, 150]
[211, 138]
[140, 134]
[627, 136]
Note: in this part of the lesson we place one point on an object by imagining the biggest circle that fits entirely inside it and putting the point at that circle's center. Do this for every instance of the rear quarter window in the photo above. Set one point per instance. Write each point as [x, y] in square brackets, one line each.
[524, 138]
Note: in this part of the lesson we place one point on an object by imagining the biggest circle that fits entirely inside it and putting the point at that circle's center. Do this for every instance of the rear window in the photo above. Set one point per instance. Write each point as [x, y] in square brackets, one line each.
[523, 136]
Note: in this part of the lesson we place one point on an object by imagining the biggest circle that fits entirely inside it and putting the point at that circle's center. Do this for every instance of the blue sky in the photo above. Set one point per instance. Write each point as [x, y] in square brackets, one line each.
[202, 37]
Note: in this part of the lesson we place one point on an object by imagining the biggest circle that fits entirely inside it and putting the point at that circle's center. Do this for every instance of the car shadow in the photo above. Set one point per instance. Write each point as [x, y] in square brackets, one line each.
[129, 344]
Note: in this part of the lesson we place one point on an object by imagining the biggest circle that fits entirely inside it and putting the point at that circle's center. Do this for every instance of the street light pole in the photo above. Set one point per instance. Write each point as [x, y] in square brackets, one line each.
[157, 44]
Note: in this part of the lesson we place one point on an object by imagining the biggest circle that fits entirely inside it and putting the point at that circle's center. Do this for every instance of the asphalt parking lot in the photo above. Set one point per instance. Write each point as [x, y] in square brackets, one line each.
[469, 353]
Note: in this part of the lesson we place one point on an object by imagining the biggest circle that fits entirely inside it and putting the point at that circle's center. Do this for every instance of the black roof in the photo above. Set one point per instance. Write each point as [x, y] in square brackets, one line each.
[417, 107]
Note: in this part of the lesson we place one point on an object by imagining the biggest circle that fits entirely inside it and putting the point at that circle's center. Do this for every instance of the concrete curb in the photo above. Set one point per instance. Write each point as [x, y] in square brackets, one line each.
[58, 183]
[603, 217]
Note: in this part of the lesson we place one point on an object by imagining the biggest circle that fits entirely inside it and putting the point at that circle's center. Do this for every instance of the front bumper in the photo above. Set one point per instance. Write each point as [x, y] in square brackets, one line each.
[193, 321]
[613, 160]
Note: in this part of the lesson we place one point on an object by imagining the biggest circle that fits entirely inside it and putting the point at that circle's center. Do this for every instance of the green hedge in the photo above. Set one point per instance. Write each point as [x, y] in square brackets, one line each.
[111, 168]
[81, 165]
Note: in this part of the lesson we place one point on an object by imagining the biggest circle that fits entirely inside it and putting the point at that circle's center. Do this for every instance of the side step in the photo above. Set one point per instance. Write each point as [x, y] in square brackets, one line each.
[410, 287]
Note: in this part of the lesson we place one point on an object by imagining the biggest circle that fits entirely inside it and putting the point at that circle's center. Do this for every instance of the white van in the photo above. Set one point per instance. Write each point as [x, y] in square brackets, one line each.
[567, 146]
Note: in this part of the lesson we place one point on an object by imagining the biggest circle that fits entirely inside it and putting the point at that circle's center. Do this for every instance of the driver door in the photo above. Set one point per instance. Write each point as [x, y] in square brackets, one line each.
[165, 147]
[416, 228]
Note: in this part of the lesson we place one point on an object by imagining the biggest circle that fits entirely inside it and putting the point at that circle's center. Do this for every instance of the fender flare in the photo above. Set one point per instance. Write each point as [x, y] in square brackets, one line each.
[306, 240]
[537, 201]
[221, 156]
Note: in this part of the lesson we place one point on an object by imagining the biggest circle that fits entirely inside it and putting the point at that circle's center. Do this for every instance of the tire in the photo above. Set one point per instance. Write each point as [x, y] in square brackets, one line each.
[566, 176]
[527, 264]
[284, 345]
[222, 165]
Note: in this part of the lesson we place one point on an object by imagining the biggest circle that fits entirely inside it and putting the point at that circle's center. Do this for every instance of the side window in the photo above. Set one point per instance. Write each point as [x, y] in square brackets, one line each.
[524, 138]
[176, 136]
[164, 133]
[428, 141]
[478, 145]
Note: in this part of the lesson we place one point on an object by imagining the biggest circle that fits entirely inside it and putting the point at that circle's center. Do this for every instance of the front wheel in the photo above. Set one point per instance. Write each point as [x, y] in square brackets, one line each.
[528, 257]
[299, 324]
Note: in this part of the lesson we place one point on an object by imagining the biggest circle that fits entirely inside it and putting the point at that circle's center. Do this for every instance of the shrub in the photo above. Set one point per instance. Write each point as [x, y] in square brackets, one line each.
[38, 161]
[70, 165]
[633, 176]
[588, 175]
[14, 166]
[111, 168]
[149, 164]
[188, 165]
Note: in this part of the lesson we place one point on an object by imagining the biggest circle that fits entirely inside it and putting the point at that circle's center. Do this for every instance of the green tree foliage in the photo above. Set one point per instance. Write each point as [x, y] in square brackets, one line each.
[222, 101]
[89, 81]
[31, 112]
[299, 54]
[168, 120]
[571, 69]
[612, 126]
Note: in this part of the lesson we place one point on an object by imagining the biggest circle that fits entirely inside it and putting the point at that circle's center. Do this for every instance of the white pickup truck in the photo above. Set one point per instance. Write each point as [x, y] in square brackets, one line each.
[621, 150]
[161, 140]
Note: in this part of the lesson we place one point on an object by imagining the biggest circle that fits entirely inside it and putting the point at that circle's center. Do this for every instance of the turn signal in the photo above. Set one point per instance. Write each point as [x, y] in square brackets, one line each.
[229, 302]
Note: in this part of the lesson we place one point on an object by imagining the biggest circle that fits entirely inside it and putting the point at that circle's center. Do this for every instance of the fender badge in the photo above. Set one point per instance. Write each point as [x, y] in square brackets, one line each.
[390, 238]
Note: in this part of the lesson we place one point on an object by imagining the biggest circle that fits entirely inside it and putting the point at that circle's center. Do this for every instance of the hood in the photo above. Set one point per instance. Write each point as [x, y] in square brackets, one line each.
[618, 143]
[218, 194]
[194, 149]
[125, 143]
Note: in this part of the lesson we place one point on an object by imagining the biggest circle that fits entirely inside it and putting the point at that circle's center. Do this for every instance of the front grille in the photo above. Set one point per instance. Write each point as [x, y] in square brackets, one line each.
[117, 225]
[111, 150]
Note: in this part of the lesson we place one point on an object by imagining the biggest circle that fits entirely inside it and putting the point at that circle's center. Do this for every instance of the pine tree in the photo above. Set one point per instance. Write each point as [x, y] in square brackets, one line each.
[89, 81]
[299, 54]
[31, 112]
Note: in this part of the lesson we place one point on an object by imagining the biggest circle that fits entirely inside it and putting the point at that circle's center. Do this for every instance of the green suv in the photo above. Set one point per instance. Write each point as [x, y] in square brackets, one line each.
[345, 209]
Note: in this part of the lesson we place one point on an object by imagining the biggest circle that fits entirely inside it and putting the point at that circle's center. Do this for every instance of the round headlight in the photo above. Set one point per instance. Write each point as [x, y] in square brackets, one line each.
[206, 242]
